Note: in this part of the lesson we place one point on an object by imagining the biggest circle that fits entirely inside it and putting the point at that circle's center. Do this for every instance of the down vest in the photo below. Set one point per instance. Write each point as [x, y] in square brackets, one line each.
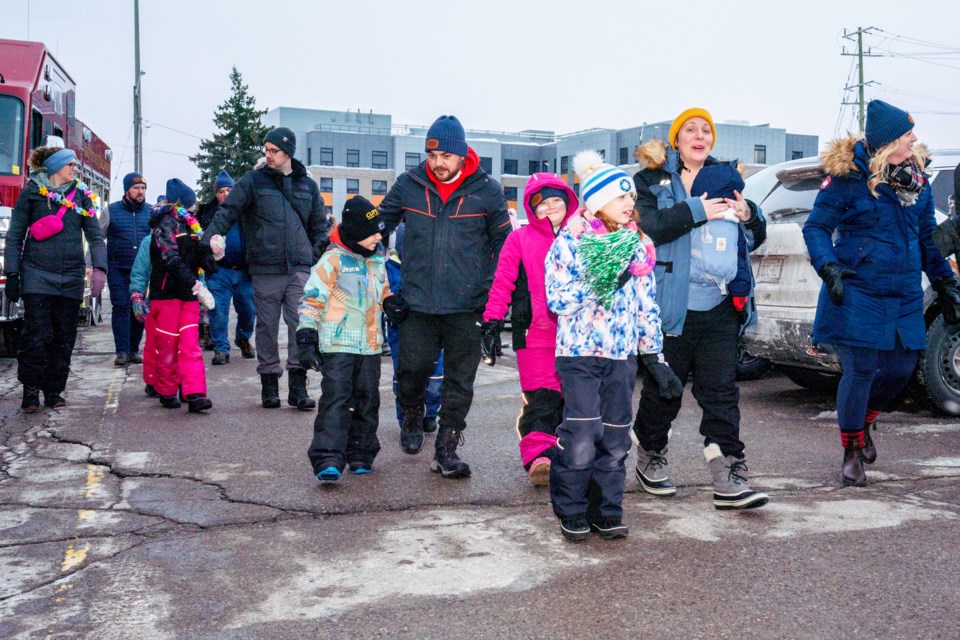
[450, 249]
[887, 245]
[278, 240]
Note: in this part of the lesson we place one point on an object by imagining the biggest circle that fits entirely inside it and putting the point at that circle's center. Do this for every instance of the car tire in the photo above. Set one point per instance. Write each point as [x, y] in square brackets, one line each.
[751, 367]
[938, 373]
[812, 379]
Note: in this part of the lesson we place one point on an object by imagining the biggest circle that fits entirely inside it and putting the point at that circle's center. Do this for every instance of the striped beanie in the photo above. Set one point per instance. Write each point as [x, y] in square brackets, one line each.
[600, 183]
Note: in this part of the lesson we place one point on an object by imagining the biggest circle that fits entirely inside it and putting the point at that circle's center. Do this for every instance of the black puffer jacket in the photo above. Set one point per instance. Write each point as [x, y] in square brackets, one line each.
[176, 255]
[56, 265]
[278, 240]
[450, 249]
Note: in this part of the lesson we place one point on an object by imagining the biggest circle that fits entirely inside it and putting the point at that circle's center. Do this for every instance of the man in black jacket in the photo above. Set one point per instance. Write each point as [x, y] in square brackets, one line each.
[284, 225]
[456, 221]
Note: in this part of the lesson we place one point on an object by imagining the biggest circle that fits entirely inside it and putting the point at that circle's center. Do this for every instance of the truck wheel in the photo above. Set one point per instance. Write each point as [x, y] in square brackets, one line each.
[938, 373]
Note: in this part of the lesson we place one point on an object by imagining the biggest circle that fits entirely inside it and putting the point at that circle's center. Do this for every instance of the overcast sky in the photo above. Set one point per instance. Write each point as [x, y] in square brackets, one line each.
[501, 65]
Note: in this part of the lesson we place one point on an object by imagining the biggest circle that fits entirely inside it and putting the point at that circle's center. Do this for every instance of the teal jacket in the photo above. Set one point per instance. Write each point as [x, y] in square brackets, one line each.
[140, 273]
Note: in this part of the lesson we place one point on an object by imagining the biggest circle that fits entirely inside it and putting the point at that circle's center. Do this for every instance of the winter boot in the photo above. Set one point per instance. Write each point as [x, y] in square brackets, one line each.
[31, 399]
[852, 470]
[445, 460]
[120, 360]
[540, 471]
[270, 390]
[411, 433]
[730, 490]
[297, 397]
[219, 358]
[134, 358]
[53, 400]
[610, 528]
[430, 424]
[197, 403]
[170, 402]
[150, 391]
[869, 451]
[575, 529]
[246, 349]
[206, 339]
[651, 474]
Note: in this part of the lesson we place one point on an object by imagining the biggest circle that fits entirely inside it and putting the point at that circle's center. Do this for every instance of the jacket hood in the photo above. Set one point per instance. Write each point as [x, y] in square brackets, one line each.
[537, 182]
[843, 156]
[657, 154]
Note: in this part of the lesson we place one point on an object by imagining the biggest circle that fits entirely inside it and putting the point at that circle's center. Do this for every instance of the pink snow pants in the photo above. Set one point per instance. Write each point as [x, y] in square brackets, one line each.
[179, 359]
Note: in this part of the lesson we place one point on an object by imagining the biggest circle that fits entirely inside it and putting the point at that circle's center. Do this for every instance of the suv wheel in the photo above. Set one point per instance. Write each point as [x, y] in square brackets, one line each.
[751, 367]
[938, 374]
[812, 379]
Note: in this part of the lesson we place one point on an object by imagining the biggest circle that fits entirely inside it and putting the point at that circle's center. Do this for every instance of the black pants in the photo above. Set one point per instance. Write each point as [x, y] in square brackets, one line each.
[708, 350]
[46, 342]
[421, 337]
[342, 436]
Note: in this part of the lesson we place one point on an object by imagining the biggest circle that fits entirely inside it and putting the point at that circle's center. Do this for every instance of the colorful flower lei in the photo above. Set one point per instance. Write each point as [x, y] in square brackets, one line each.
[190, 219]
[60, 199]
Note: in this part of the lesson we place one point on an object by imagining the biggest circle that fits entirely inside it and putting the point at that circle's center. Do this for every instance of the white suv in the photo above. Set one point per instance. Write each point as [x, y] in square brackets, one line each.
[787, 287]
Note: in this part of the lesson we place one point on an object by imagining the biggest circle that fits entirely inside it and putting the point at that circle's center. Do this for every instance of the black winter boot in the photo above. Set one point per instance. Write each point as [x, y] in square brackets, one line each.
[297, 397]
[411, 433]
[206, 339]
[31, 399]
[869, 450]
[270, 390]
[197, 403]
[445, 460]
[852, 471]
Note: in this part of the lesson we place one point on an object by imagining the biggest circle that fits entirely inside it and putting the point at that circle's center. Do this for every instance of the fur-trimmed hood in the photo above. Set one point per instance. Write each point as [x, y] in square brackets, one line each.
[657, 154]
[849, 154]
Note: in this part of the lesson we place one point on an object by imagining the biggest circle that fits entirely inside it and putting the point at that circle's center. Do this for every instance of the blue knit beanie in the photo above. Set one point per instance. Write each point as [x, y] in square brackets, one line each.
[885, 123]
[547, 192]
[284, 139]
[717, 181]
[177, 191]
[131, 179]
[223, 180]
[59, 160]
[446, 134]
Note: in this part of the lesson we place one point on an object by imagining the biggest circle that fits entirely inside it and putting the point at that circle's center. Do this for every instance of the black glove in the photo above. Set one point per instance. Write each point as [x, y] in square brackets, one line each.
[395, 308]
[308, 349]
[949, 297]
[624, 277]
[490, 346]
[947, 236]
[833, 276]
[12, 290]
[667, 381]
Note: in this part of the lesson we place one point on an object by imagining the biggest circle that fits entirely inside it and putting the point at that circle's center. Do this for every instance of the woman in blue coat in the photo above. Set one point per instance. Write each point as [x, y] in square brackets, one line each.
[877, 201]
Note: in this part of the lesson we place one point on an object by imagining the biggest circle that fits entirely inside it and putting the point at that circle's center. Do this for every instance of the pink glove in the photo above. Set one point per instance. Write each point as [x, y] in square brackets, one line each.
[218, 245]
[204, 296]
[98, 279]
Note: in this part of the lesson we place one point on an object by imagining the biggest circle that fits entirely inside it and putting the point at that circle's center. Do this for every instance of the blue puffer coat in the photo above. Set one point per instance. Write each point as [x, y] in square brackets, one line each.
[886, 243]
[128, 224]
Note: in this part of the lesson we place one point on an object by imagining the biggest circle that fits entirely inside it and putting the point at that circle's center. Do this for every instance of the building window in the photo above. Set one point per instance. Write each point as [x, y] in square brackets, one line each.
[326, 156]
[486, 164]
[534, 167]
[624, 155]
[353, 185]
[510, 193]
[576, 188]
[412, 161]
[603, 153]
[353, 157]
[309, 156]
[379, 160]
[797, 155]
[326, 185]
[511, 167]
[564, 164]
[760, 154]
[379, 187]
[554, 165]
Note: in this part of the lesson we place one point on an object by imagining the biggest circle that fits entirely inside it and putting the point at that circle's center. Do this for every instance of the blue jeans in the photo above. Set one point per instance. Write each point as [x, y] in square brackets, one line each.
[224, 285]
[433, 386]
[127, 330]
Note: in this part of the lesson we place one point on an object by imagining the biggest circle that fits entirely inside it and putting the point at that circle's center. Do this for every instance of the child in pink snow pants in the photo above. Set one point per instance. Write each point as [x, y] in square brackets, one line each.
[518, 283]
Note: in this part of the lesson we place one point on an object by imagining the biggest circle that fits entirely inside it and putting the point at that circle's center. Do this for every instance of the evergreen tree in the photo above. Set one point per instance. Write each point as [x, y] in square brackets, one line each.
[238, 143]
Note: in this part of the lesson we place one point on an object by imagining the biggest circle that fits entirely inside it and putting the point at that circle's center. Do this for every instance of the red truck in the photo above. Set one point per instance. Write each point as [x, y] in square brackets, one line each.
[38, 108]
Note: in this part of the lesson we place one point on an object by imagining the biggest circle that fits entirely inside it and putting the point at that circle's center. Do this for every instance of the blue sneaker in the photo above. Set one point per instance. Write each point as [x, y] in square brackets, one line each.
[357, 468]
[330, 474]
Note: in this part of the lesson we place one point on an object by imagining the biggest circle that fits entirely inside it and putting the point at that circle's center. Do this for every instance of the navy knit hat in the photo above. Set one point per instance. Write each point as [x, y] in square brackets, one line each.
[885, 123]
[717, 181]
[547, 192]
[131, 179]
[59, 160]
[446, 134]
[177, 191]
[223, 180]
[284, 139]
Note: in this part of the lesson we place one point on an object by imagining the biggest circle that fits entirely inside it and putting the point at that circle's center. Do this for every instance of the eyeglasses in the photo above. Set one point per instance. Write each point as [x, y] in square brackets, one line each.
[73, 165]
[271, 152]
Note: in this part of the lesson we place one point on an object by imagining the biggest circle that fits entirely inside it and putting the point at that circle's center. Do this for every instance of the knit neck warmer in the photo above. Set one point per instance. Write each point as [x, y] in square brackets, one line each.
[606, 254]
[907, 181]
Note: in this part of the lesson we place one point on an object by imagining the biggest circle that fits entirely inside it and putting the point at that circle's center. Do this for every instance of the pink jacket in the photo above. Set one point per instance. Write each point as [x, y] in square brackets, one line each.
[529, 245]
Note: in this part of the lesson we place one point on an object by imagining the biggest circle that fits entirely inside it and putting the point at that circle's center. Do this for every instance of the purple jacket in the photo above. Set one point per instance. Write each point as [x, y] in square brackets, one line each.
[528, 247]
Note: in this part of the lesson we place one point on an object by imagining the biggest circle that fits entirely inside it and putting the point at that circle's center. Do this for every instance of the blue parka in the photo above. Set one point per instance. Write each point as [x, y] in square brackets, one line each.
[886, 243]
[668, 215]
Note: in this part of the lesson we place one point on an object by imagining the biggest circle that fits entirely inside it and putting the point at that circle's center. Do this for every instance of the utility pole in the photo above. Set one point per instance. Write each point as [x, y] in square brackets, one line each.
[861, 84]
[137, 115]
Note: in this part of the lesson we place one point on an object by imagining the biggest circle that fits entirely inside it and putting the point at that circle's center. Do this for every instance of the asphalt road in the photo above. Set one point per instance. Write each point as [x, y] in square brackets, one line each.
[120, 519]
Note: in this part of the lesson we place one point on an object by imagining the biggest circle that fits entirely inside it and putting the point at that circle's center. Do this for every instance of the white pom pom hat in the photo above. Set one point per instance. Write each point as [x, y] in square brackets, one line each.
[600, 183]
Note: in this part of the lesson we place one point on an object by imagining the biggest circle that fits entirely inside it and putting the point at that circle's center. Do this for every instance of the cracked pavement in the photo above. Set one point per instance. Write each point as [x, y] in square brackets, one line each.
[120, 519]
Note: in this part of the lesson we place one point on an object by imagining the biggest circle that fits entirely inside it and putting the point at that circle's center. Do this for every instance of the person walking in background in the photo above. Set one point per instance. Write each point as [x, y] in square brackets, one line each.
[876, 201]
[456, 222]
[518, 284]
[599, 282]
[46, 267]
[176, 292]
[140, 305]
[284, 231]
[124, 224]
[231, 282]
[703, 308]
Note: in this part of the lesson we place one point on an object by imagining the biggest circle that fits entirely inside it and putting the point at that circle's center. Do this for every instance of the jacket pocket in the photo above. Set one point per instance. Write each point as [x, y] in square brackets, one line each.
[664, 194]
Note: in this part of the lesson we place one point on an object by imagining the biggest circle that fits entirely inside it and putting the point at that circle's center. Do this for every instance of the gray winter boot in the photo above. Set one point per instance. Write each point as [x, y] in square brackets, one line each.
[730, 490]
[651, 473]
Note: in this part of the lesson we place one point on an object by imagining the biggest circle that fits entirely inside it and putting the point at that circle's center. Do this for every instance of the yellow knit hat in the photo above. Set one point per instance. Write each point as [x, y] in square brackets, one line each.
[696, 112]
